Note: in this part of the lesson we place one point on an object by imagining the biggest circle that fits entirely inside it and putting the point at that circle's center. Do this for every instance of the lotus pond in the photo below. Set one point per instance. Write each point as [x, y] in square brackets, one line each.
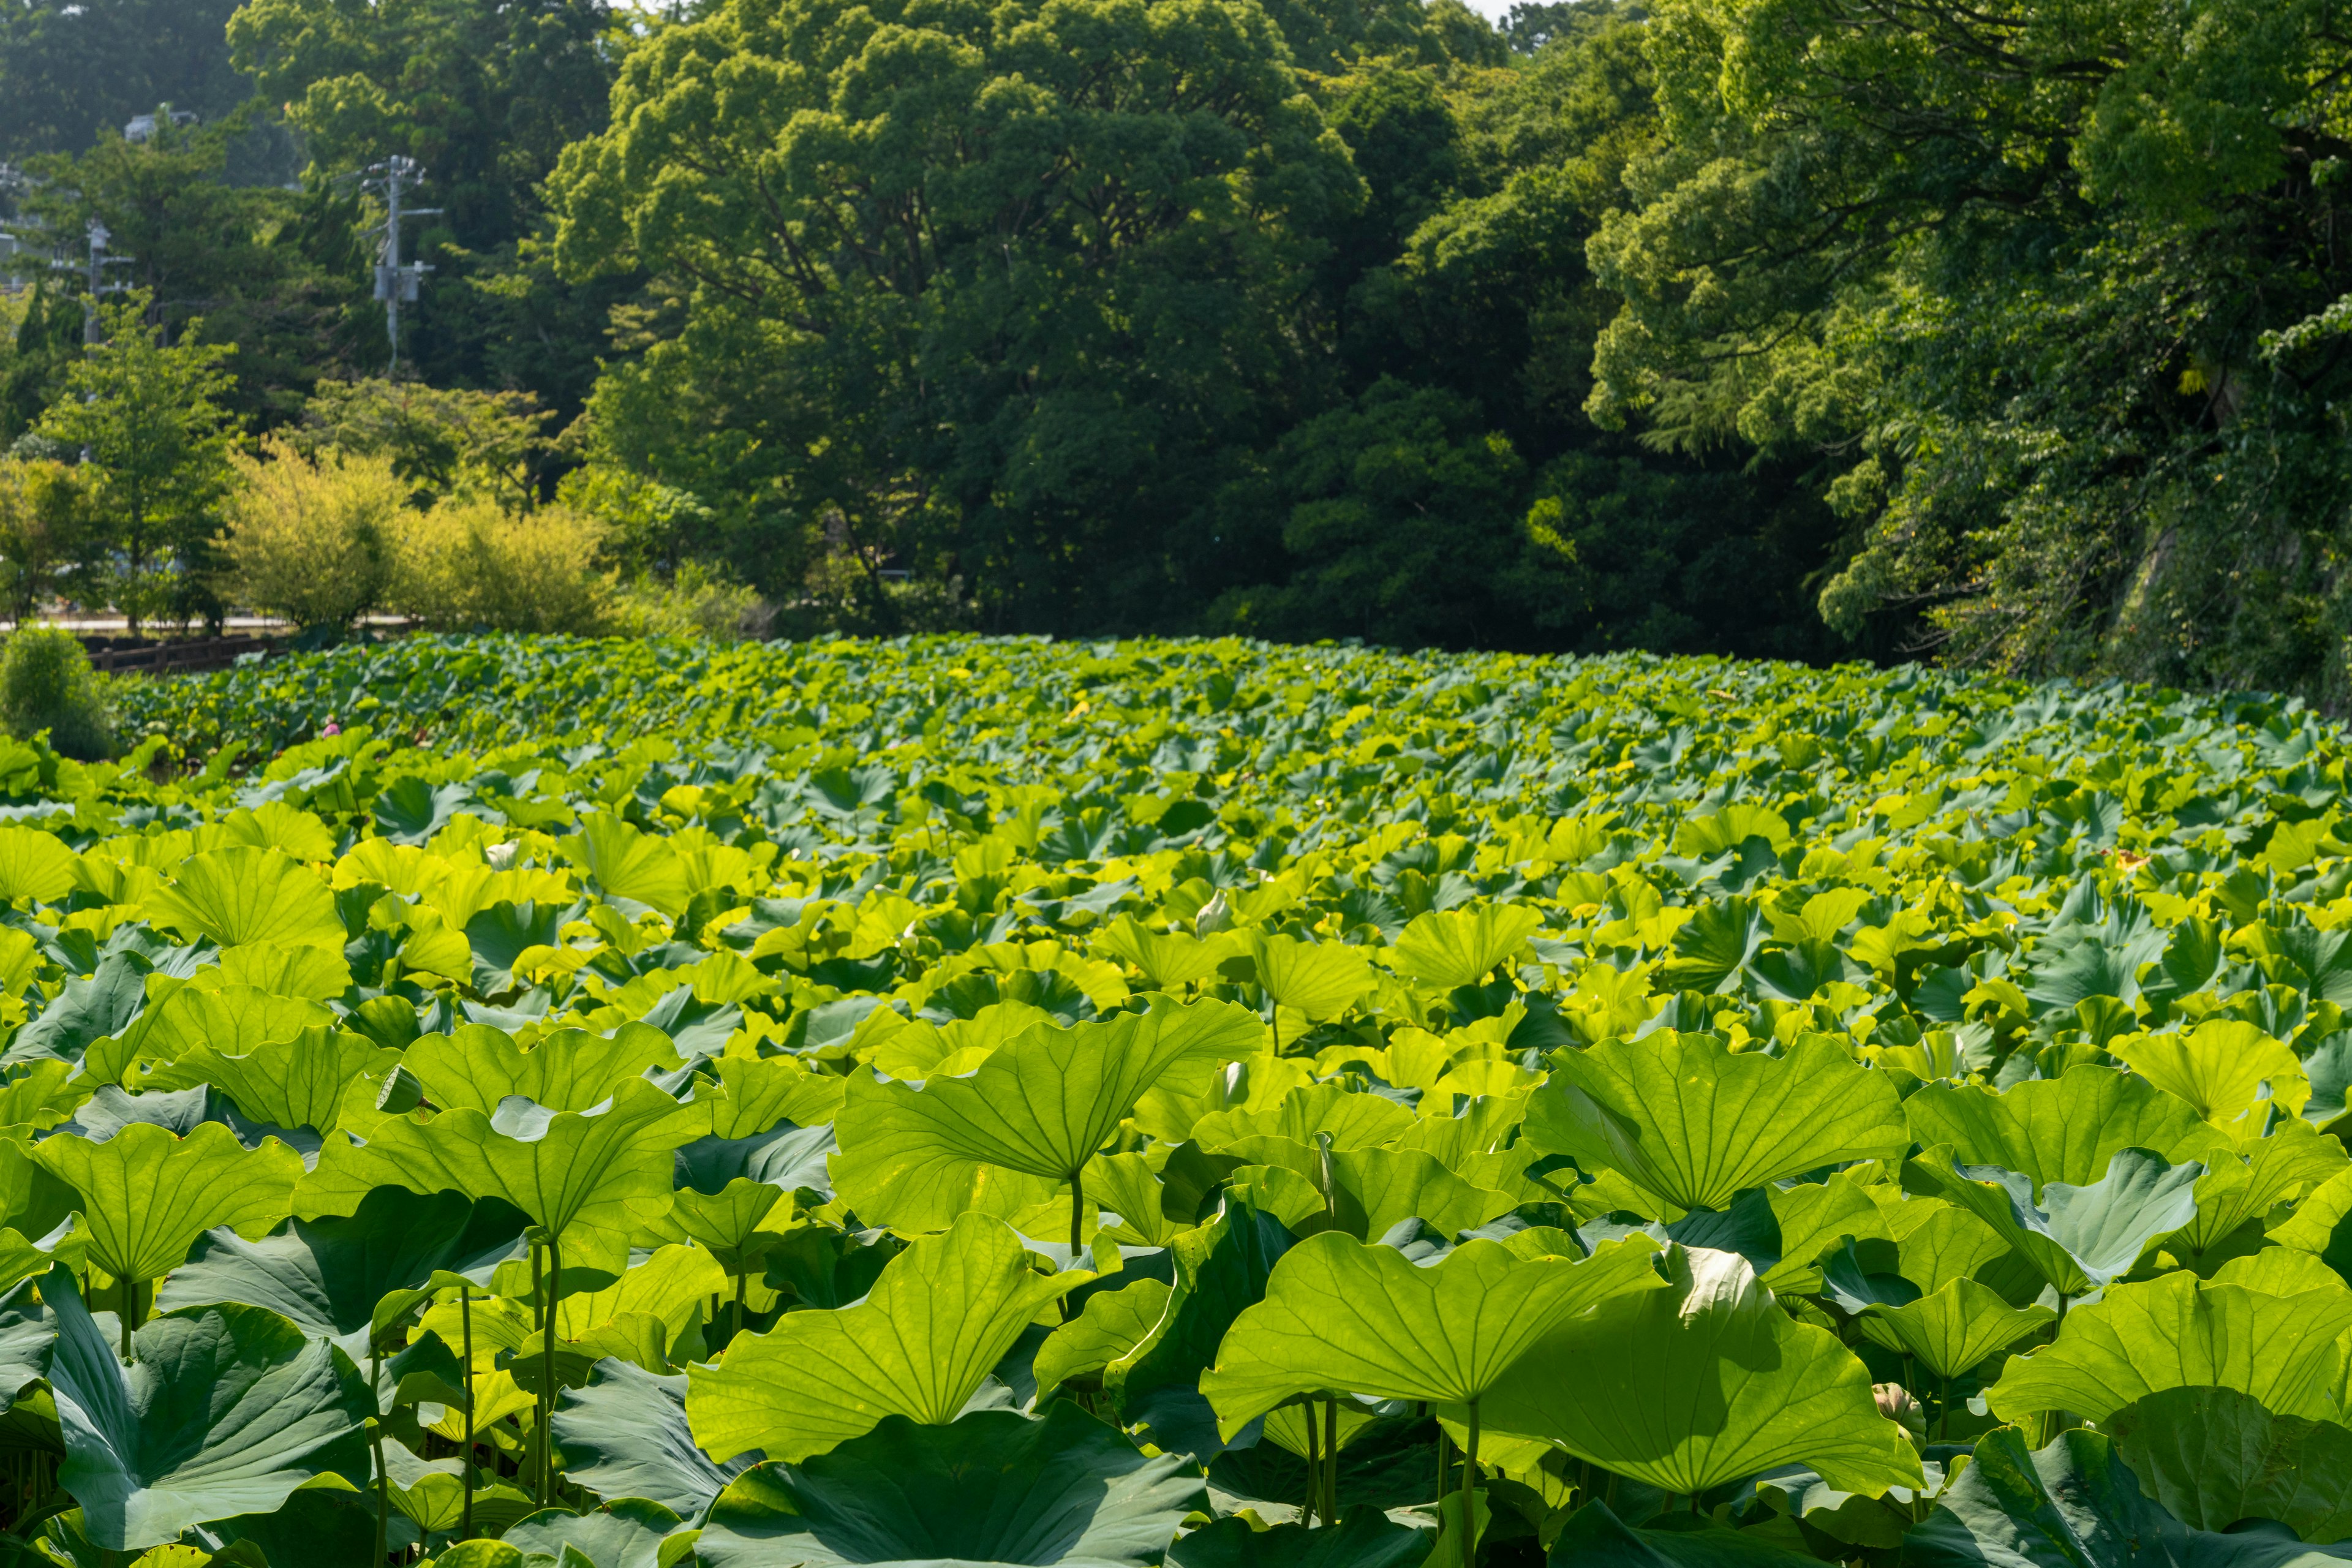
[519, 1102]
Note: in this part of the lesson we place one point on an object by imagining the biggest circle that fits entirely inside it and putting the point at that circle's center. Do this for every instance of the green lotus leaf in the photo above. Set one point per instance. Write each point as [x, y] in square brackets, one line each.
[1715, 947]
[1222, 1269]
[1353, 1120]
[34, 869]
[1452, 948]
[942, 1314]
[2061, 1130]
[1365, 1191]
[2294, 1161]
[993, 1486]
[2214, 1457]
[1701, 1383]
[146, 1194]
[627, 1532]
[1954, 1329]
[625, 1434]
[1694, 1124]
[475, 1067]
[43, 1094]
[1112, 1325]
[224, 1411]
[2078, 1238]
[298, 1081]
[600, 1173]
[89, 1008]
[500, 934]
[1593, 1537]
[1169, 961]
[242, 894]
[1318, 979]
[317, 1524]
[1341, 1316]
[1039, 1107]
[642, 868]
[2077, 1504]
[340, 1277]
[2219, 1068]
[1364, 1538]
[2180, 1331]
[232, 1021]
[753, 1096]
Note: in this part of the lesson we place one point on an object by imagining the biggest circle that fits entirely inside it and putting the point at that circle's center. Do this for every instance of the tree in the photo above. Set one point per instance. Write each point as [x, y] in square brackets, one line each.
[311, 541]
[72, 72]
[997, 295]
[42, 514]
[148, 415]
[2057, 292]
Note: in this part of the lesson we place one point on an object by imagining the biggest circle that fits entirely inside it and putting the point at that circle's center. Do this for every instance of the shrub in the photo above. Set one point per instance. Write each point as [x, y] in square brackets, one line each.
[46, 683]
[466, 566]
[701, 601]
[42, 509]
[311, 538]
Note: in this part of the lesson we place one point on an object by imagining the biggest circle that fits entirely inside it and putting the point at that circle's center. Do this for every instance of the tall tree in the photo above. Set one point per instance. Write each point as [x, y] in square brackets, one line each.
[993, 295]
[2059, 289]
[149, 419]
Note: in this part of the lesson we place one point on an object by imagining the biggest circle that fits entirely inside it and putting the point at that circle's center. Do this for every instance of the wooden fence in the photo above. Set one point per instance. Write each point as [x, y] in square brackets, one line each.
[177, 658]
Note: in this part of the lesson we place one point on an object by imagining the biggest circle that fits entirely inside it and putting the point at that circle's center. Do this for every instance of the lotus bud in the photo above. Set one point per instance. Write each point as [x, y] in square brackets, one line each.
[1895, 1403]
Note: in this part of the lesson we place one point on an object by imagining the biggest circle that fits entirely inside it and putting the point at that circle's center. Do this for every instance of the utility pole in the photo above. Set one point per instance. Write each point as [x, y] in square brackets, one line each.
[394, 282]
[94, 282]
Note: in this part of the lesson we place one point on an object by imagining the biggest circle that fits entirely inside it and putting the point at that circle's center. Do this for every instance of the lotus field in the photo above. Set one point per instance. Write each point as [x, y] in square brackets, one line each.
[531, 1102]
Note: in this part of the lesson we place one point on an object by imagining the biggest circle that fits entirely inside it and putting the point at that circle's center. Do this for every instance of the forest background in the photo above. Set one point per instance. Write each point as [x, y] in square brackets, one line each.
[2019, 334]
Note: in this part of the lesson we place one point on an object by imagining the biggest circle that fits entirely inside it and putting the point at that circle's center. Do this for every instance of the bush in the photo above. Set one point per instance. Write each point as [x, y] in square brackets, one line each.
[699, 602]
[311, 538]
[466, 566]
[46, 683]
[42, 508]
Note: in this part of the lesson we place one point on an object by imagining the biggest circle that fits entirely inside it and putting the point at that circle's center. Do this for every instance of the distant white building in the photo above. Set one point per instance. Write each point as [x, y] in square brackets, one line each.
[142, 126]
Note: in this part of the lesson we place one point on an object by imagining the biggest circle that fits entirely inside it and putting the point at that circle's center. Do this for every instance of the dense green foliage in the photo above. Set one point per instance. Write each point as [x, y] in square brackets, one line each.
[1272, 317]
[879, 1102]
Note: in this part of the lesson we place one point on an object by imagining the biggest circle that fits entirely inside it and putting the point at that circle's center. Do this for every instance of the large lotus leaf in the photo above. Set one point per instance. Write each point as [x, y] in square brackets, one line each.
[1112, 1325]
[2061, 1130]
[242, 894]
[2177, 1332]
[1352, 1120]
[224, 1411]
[627, 1532]
[641, 868]
[2293, 1160]
[2214, 1457]
[1169, 961]
[754, 1094]
[232, 1021]
[626, 1435]
[102, 1005]
[2078, 1238]
[993, 1486]
[783, 1157]
[500, 934]
[477, 1067]
[605, 1171]
[298, 1081]
[1365, 1191]
[2076, 1504]
[671, 1284]
[147, 1194]
[1038, 1107]
[28, 1334]
[1703, 1382]
[1348, 1317]
[1952, 1330]
[1593, 1537]
[339, 1276]
[1693, 1122]
[1716, 945]
[2219, 1068]
[943, 1313]
[1317, 979]
[1461, 947]
[411, 810]
[1222, 1268]
[34, 867]
[1364, 1538]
